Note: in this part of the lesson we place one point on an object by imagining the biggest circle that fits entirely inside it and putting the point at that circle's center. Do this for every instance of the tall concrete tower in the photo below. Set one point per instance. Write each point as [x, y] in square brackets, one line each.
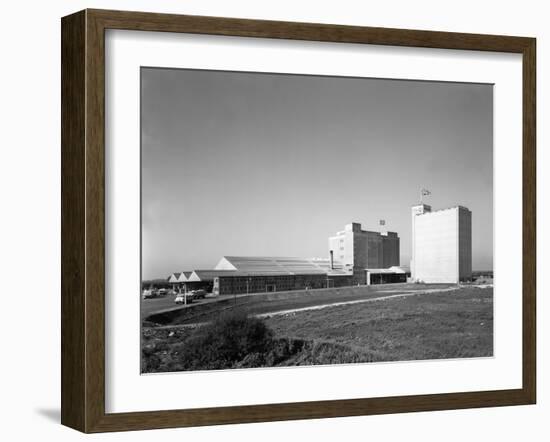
[441, 244]
[416, 210]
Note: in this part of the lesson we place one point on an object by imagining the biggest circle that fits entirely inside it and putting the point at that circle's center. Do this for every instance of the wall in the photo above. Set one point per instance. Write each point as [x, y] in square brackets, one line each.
[230, 285]
[436, 246]
[361, 249]
[464, 244]
[30, 218]
[371, 250]
[442, 245]
[416, 210]
[340, 248]
[390, 249]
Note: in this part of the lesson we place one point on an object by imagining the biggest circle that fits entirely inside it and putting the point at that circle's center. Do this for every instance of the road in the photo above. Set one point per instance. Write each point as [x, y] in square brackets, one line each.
[153, 305]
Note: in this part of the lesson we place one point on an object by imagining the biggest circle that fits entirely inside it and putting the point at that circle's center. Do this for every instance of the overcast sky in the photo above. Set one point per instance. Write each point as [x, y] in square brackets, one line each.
[262, 164]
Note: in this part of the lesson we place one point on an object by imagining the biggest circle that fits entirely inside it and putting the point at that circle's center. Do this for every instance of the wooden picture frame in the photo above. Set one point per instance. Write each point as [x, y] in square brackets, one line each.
[83, 220]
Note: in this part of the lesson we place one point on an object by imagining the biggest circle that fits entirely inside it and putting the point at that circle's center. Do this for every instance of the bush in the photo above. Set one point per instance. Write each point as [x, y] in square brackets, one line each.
[283, 349]
[223, 343]
[150, 362]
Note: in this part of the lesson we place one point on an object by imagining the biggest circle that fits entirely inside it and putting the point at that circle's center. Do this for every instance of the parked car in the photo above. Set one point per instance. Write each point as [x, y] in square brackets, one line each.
[199, 294]
[180, 298]
[162, 292]
[149, 293]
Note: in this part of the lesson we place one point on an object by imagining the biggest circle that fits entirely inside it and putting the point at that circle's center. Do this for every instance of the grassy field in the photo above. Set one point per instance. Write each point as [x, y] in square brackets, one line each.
[262, 303]
[455, 324]
[452, 324]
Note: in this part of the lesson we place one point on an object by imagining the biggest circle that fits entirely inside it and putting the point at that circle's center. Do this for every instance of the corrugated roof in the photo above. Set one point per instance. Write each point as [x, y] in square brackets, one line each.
[271, 265]
[207, 275]
[324, 263]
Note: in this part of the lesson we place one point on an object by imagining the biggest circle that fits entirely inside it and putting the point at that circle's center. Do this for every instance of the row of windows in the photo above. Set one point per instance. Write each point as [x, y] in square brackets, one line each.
[232, 285]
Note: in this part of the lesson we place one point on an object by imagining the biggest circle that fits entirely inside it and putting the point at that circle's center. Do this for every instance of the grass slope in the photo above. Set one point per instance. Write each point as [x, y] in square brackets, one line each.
[455, 324]
[448, 325]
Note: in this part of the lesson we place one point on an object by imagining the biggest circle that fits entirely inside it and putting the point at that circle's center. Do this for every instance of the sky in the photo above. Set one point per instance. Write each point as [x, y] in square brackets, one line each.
[259, 164]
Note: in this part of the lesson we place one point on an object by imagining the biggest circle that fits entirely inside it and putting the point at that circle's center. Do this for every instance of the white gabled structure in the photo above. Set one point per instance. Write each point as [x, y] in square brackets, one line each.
[184, 276]
[174, 278]
[208, 275]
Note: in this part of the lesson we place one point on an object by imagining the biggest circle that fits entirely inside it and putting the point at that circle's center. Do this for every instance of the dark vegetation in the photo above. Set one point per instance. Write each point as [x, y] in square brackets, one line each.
[235, 340]
[155, 284]
[232, 340]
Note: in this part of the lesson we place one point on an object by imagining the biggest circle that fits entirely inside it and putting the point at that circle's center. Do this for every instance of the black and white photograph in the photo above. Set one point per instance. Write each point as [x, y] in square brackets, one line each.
[268, 221]
[299, 220]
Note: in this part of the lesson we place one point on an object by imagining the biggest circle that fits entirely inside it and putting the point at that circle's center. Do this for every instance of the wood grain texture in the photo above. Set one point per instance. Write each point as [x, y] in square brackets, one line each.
[73, 257]
[95, 222]
[145, 21]
[529, 221]
[83, 220]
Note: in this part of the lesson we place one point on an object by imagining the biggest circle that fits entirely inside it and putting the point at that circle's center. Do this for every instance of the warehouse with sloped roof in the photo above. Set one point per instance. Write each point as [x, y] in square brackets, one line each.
[246, 274]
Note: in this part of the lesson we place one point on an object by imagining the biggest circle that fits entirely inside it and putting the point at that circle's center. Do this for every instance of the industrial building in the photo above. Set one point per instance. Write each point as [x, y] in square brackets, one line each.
[360, 250]
[270, 274]
[355, 256]
[441, 253]
[441, 244]
[241, 274]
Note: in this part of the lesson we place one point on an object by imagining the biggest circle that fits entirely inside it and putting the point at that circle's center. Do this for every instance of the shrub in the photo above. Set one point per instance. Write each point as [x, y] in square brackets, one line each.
[223, 343]
[150, 362]
[252, 360]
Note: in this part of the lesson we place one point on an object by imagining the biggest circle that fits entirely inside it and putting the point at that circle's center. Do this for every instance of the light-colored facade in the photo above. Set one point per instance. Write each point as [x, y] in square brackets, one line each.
[356, 249]
[441, 244]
